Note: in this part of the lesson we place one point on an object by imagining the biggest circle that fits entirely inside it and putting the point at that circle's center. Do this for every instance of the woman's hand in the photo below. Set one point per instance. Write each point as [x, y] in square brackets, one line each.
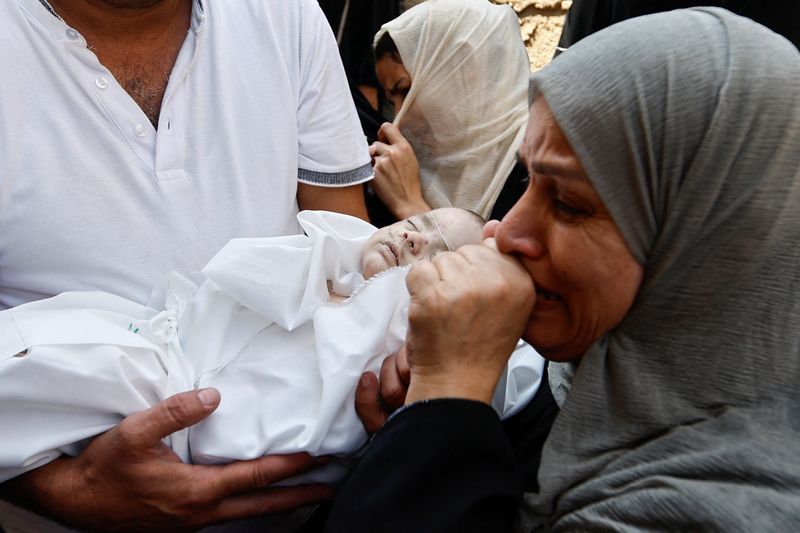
[467, 312]
[397, 181]
[468, 309]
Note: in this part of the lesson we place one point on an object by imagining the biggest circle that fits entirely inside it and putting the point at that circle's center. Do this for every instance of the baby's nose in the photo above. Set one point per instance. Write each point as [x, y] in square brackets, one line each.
[415, 241]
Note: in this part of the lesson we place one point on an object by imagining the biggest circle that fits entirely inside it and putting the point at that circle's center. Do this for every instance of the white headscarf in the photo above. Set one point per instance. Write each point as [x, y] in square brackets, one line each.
[686, 416]
[467, 107]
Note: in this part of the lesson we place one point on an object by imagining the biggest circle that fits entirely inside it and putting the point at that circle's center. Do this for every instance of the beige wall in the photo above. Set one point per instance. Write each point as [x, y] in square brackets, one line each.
[540, 24]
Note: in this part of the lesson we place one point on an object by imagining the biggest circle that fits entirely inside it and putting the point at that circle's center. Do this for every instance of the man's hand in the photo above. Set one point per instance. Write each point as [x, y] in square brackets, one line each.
[397, 181]
[467, 312]
[128, 480]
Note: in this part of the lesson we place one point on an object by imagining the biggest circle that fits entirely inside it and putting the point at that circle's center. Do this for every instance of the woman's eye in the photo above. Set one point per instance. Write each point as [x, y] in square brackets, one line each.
[569, 210]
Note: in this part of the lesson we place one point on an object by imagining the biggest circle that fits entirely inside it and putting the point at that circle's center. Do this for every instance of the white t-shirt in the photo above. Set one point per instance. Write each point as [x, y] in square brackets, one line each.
[93, 197]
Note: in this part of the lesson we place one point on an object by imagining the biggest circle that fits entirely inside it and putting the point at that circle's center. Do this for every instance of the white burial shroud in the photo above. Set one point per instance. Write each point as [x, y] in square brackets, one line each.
[259, 328]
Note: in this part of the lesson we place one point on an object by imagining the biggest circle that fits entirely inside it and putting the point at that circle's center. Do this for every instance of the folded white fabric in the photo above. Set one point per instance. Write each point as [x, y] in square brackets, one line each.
[259, 328]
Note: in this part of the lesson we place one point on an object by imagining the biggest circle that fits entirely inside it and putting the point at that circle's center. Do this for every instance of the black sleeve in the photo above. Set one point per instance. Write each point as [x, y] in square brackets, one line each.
[437, 466]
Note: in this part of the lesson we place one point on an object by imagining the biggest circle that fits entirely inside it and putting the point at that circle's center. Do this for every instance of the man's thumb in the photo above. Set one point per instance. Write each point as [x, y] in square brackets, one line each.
[173, 414]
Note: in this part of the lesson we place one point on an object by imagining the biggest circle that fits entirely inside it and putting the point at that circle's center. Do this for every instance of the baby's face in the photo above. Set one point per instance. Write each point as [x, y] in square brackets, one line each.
[419, 237]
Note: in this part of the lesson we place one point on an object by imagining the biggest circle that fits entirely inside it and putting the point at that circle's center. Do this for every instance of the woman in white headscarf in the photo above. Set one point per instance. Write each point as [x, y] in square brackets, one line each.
[457, 73]
[661, 232]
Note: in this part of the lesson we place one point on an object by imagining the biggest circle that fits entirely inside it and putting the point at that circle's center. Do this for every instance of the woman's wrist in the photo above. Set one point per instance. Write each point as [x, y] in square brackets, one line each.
[466, 386]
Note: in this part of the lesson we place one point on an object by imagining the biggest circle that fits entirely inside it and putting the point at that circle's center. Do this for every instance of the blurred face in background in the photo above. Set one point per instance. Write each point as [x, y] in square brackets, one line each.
[394, 79]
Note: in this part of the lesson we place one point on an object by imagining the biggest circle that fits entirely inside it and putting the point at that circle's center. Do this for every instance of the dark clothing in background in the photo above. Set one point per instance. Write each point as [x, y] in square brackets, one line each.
[589, 16]
[514, 187]
[364, 19]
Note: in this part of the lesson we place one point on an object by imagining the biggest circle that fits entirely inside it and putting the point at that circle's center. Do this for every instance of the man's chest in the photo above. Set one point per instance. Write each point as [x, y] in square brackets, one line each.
[144, 75]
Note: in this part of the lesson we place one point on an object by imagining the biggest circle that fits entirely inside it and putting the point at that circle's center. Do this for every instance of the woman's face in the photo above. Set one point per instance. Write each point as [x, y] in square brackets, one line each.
[394, 78]
[586, 278]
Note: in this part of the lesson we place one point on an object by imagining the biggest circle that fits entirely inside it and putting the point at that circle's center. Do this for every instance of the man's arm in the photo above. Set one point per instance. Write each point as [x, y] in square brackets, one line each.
[348, 200]
[128, 480]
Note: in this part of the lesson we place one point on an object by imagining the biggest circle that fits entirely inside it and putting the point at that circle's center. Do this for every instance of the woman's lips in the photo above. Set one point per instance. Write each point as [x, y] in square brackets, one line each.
[546, 299]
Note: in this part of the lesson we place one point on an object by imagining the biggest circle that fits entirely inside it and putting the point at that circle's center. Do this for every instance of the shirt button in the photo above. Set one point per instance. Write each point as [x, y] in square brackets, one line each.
[139, 131]
[72, 34]
[101, 82]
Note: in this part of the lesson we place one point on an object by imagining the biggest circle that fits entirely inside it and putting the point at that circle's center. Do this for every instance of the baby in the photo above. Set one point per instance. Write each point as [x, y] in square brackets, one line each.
[282, 326]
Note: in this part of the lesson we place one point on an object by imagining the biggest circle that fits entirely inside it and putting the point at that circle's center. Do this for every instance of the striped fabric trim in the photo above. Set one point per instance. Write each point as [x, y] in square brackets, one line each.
[336, 179]
[48, 7]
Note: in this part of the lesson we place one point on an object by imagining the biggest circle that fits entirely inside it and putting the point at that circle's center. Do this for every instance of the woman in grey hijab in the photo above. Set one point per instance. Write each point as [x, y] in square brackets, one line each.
[683, 412]
[686, 414]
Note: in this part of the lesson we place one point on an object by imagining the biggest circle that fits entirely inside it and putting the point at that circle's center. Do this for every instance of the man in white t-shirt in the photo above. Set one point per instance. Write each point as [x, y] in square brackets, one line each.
[137, 137]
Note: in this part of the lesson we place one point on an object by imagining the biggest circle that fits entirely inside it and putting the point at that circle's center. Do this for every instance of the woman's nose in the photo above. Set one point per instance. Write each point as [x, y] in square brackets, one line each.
[523, 230]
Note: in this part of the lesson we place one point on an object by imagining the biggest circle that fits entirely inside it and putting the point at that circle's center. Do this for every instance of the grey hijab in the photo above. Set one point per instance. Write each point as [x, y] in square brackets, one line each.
[686, 416]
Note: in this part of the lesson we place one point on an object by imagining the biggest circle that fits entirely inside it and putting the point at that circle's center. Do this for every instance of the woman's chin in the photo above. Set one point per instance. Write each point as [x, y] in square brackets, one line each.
[551, 347]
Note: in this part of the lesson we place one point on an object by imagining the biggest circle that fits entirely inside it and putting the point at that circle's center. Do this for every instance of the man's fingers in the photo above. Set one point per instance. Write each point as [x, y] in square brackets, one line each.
[269, 501]
[173, 414]
[245, 476]
[368, 403]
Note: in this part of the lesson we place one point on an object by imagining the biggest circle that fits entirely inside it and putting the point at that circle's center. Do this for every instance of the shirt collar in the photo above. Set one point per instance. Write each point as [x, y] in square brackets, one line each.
[43, 13]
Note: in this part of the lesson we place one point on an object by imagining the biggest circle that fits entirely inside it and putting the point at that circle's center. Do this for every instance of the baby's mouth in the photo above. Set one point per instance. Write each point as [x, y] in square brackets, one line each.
[392, 248]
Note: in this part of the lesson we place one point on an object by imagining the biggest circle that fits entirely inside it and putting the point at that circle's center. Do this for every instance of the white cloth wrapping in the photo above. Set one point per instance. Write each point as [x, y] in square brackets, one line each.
[466, 112]
[259, 328]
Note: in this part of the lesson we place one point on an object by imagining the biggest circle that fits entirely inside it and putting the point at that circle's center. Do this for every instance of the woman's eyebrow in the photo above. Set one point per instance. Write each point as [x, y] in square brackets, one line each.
[549, 169]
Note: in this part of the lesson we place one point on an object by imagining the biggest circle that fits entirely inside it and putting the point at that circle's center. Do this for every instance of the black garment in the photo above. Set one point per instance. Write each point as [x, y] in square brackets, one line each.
[445, 465]
[588, 16]
[364, 19]
[515, 185]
